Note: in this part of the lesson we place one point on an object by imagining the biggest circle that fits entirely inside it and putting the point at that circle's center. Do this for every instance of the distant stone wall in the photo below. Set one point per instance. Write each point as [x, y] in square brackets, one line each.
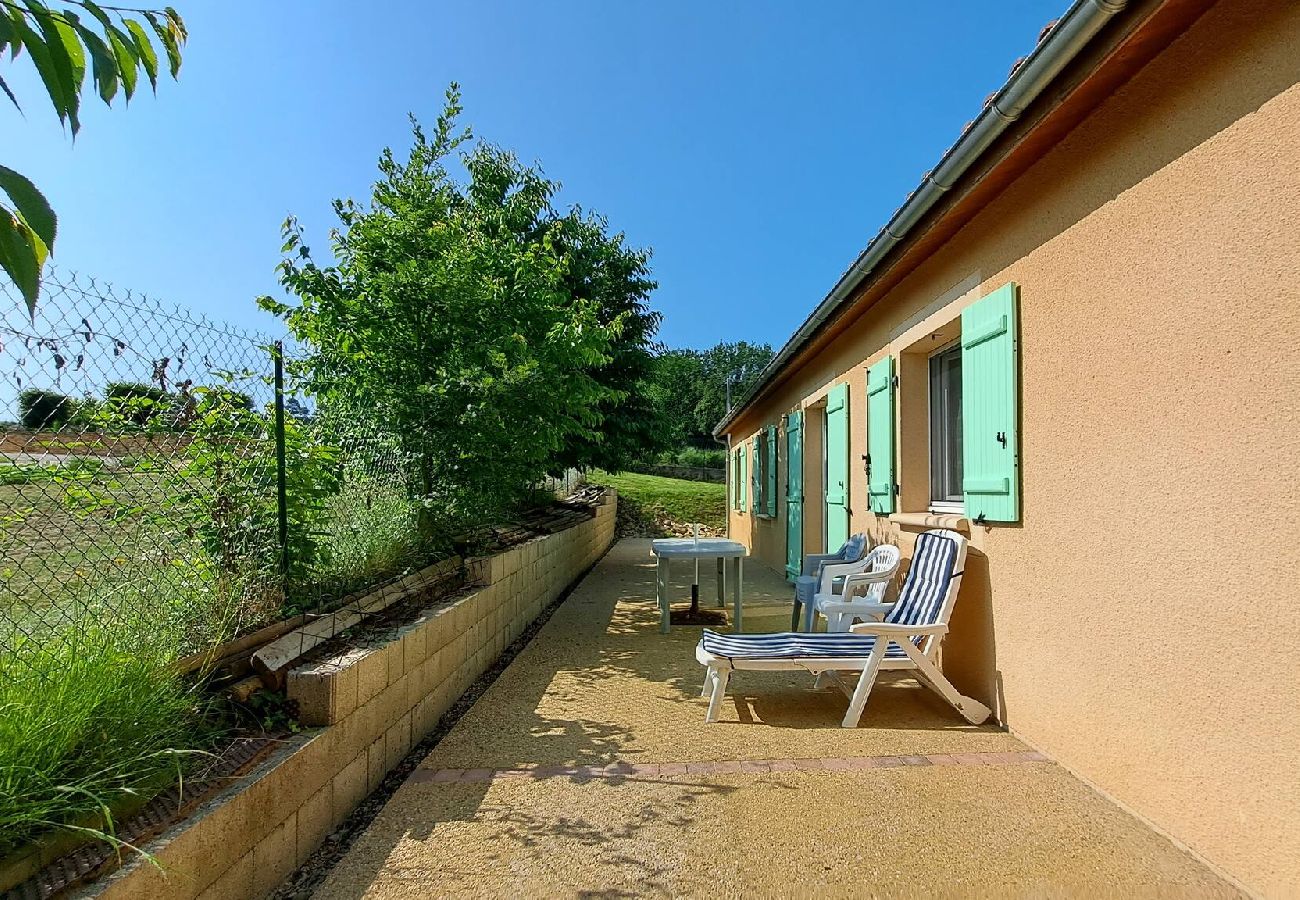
[374, 704]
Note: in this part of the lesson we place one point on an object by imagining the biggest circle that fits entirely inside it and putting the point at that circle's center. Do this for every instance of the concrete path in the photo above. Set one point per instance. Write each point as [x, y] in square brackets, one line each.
[587, 770]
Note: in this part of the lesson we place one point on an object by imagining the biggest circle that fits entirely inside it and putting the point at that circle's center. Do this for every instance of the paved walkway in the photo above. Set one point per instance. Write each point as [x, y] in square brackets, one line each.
[587, 770]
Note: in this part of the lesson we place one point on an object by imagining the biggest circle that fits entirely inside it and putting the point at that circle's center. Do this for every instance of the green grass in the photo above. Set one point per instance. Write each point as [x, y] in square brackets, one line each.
[91, 719]
[682, 501]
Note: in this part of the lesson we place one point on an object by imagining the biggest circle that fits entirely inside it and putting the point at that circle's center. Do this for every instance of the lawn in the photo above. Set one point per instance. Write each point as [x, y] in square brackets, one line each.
[682, 501]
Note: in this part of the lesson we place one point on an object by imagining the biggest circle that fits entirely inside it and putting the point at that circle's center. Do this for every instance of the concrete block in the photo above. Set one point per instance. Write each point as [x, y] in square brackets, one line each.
[394, 653]
[438, 630]
[391, 704]
[414, 646]
[350, 787]
[372, 676]
[275, 856]
[397, 742]
[376, 764]
[326, 693]
[315, 820]
[424, 718]
[236, 883]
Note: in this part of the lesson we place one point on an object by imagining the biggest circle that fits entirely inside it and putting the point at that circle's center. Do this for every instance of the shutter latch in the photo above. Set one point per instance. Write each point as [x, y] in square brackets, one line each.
[1002, 439]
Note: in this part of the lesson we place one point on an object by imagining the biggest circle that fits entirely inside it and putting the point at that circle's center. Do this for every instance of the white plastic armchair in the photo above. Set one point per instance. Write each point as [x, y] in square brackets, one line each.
[862, 595]
[807, 584]
[851, 550]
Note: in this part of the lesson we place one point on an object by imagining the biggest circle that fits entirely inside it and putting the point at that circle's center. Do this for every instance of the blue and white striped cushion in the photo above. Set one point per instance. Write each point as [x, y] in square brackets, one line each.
[793, 645]
[921, 600]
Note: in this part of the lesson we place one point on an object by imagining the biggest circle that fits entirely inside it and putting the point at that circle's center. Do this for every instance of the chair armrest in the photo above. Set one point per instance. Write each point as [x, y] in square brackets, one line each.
[812, 563]
[861, 608]
[832, 570]
[889, 629]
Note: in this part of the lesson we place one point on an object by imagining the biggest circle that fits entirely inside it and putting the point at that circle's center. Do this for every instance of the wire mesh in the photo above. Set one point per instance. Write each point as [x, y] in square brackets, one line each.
[141, 473]
[137, 473]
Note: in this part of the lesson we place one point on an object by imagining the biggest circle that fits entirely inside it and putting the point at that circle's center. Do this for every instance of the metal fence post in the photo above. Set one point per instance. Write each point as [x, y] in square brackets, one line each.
[281, 479]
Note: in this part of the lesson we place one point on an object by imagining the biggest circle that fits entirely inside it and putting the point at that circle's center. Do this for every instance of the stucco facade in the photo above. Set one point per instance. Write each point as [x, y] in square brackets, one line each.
[1137, 623]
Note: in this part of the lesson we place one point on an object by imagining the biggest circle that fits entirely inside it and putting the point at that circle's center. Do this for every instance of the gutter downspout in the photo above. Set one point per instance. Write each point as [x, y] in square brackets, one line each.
[1068, 36]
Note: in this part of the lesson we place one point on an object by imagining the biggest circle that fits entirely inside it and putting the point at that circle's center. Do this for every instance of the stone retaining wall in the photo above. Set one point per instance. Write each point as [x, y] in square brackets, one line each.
[374, 704]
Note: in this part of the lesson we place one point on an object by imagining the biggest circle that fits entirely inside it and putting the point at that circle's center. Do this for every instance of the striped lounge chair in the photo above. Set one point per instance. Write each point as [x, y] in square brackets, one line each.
[907, 639]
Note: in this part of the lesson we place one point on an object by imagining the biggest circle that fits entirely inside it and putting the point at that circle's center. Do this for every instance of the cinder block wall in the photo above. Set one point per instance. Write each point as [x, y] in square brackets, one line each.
[374, 705]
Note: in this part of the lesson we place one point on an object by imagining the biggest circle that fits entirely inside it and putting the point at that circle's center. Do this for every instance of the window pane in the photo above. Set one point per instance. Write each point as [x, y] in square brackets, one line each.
[945, 426]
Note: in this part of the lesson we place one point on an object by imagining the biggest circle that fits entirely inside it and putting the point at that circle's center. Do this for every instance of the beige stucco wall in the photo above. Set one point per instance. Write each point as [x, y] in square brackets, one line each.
[1139, 623]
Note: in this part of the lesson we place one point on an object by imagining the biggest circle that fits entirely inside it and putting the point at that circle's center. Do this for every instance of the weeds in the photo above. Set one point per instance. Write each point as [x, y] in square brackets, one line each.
[90, 722]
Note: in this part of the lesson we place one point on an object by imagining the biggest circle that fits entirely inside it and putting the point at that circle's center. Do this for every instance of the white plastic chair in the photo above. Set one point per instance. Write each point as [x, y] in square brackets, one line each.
[862, 595]
[805, 586]
[907, 640]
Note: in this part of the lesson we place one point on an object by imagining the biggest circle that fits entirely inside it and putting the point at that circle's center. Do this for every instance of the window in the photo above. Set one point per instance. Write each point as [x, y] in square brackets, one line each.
[763, 480]
[945, 429]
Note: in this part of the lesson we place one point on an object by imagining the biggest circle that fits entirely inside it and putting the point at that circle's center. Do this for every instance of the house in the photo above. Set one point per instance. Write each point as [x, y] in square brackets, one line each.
[1078, 342]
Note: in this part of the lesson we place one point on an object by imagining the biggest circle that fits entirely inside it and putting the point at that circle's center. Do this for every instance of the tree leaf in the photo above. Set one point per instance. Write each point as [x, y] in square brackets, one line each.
[45, 66]
[127, 61]
[175, 19]
[104, 63]
[10, 94]
[144, 49]
[65, 53]
[31, 204]
[9, 34]
[168, 38]
[20, 257]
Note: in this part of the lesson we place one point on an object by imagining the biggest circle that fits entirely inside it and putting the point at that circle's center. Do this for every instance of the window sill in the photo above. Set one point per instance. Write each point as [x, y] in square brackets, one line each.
[955, 521]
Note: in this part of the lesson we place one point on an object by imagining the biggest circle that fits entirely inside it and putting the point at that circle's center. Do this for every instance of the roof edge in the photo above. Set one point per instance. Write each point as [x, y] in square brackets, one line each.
[1066, 39]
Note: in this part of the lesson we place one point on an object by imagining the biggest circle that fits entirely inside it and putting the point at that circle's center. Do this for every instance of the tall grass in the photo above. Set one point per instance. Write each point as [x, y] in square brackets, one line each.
[372, 532]
[90, 720]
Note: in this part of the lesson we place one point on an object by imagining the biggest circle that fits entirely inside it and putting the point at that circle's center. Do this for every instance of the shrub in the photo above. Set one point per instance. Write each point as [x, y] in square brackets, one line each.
[43, 408]
[140, 404]
[703, 459]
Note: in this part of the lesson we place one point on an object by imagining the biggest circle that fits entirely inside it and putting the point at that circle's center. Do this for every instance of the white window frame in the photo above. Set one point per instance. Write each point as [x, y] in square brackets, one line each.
[937, 506]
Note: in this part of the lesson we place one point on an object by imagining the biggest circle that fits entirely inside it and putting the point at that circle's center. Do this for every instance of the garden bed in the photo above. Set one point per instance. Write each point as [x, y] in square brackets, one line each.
[385, 686]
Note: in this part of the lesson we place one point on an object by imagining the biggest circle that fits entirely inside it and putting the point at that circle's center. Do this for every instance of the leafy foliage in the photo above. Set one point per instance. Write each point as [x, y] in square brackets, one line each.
[692, 387]
[59, 40]
[39, 408]
[225, 489]
[496, 338]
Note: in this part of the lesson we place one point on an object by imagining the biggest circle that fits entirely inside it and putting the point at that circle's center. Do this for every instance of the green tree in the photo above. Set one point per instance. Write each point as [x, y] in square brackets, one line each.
[59, 41]
[469, 318]
[735, 364]
[41, 408]
[692, 387]
[599, 269]
[679, 377]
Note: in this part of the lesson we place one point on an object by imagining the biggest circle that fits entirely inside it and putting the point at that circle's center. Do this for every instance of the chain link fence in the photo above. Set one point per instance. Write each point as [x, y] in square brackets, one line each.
[163, 473]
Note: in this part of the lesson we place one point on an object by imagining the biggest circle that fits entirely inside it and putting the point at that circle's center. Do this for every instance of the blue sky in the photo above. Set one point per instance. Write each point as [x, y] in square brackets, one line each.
[756, 147]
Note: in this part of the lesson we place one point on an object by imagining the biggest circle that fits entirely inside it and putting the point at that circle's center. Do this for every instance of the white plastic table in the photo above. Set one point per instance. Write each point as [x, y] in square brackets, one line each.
[720, 549]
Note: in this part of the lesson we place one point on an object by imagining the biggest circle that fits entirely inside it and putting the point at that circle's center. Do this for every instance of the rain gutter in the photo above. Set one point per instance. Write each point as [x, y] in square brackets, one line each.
[1063, 43]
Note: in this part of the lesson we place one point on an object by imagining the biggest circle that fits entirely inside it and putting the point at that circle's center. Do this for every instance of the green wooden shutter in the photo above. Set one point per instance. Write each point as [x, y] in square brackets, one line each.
[756, 475]
[837, 467]
[769, 493]
[990, 393]
[880, 436]
[743, 478]
[794, 494]
[735, 479]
